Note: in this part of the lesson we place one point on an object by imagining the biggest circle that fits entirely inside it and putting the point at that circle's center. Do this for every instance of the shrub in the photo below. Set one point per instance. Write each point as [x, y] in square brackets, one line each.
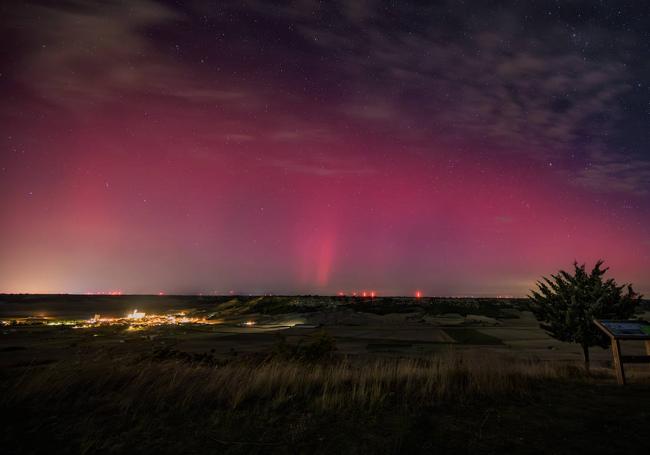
[320, 346]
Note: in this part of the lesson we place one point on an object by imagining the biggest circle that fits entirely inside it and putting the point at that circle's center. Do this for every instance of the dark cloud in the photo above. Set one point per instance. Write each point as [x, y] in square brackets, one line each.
[547, 82]
[82, 55]
[611, 173]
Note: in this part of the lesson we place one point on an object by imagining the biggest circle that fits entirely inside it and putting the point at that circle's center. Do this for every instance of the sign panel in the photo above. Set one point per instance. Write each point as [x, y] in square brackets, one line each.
[640, 329]
[626, 330]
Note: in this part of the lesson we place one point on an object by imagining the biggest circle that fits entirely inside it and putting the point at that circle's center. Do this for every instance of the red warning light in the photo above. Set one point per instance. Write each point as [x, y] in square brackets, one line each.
[418, 294]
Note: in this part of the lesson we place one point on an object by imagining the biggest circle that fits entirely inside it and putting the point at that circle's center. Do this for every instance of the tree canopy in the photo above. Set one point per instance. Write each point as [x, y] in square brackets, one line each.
[566, 305]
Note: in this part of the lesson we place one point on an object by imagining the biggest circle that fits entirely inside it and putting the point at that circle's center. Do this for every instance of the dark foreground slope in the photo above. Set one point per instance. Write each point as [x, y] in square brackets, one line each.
[291, 401]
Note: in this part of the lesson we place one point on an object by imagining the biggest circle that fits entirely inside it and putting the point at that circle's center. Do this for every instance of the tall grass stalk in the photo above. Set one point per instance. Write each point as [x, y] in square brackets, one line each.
[137, 385]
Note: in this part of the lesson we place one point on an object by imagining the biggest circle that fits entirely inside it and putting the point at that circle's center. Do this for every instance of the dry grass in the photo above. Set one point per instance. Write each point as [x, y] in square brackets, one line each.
[454, 403]
[132, 384]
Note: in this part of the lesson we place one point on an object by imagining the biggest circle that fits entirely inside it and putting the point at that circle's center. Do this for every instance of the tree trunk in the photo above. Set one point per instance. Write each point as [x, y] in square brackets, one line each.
[585, 352]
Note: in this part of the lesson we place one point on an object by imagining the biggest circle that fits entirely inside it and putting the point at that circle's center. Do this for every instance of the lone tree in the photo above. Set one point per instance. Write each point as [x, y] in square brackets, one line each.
[567, 304]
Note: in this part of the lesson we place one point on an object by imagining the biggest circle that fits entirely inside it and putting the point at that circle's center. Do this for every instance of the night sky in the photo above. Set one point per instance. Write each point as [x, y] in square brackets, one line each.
[456, 148]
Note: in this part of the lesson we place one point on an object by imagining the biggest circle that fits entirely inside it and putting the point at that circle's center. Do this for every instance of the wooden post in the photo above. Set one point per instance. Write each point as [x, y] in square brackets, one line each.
[618, 364]
[625, 330]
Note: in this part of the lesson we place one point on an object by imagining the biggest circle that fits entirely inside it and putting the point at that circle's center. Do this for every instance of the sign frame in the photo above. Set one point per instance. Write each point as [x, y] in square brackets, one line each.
[616, 338]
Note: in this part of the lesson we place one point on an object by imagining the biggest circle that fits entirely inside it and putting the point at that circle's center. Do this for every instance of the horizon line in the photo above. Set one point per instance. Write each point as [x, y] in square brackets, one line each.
[369, 297]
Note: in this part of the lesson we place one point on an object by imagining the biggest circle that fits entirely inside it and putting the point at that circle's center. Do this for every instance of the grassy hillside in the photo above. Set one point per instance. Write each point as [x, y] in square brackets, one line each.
[453, 403]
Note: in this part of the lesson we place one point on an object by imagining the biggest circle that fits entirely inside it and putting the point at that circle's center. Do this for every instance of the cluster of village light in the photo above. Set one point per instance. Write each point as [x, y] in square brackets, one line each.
[135, 319]
[138, 319]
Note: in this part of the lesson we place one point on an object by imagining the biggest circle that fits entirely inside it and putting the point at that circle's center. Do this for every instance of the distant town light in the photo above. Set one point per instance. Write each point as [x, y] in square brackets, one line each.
[104, 293]
[136, 315]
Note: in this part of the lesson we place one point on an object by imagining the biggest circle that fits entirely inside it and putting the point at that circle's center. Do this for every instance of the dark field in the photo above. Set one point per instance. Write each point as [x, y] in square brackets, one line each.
[312, 375]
